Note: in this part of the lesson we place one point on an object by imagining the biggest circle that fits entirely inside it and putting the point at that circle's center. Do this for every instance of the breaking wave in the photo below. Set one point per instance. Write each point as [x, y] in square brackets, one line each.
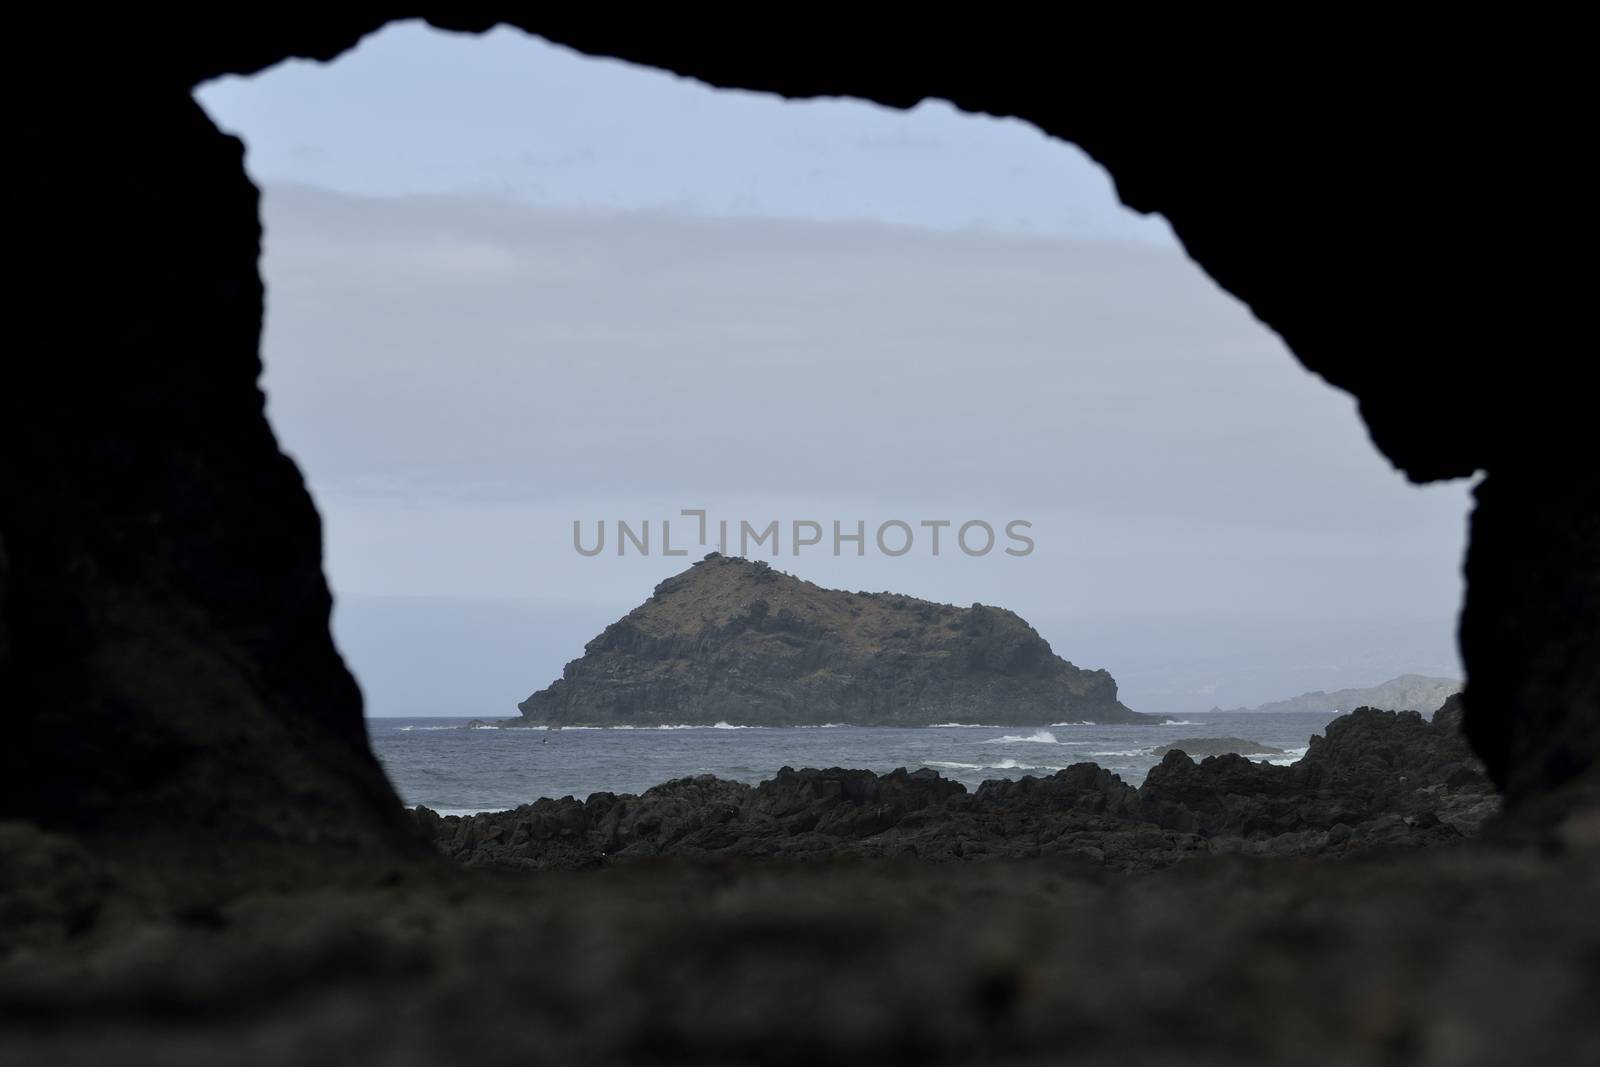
[1002, 765]
[1038, 737]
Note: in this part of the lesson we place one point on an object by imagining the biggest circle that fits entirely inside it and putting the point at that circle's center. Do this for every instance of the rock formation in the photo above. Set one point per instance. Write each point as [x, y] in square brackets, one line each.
[1218, 746]
[730, 640]
[151, 520]
[172, 698]
[1376, 779]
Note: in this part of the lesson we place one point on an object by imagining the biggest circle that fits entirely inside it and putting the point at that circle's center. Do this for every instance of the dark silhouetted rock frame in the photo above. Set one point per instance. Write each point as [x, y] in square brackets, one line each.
[168, 674]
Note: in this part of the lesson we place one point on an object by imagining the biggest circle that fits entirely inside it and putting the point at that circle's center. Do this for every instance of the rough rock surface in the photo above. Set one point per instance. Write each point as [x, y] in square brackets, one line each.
[730, 640]
[1376, 779]
[168, 681]
[1474, 952]
[1476, 955]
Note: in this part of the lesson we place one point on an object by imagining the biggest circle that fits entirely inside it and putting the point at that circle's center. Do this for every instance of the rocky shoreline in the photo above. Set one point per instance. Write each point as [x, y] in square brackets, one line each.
[1195, 747]
[715, 922]
[1377, 779]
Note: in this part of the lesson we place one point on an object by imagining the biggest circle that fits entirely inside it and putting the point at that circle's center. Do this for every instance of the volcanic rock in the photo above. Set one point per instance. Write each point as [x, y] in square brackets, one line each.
[735, 641]
[1377, 779]
[1218, 746]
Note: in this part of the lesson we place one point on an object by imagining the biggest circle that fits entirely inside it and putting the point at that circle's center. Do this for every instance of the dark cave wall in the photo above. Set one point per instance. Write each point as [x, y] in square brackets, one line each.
[1338, 192]
[170, 663]
[169, 659]
[1529, 629]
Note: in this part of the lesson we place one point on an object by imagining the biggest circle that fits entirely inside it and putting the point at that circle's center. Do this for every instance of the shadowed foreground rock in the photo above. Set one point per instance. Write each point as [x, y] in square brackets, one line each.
[1474, 952]
[1377, 779]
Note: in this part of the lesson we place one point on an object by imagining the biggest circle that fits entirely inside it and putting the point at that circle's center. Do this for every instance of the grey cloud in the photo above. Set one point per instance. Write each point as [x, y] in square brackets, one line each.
[442, 366]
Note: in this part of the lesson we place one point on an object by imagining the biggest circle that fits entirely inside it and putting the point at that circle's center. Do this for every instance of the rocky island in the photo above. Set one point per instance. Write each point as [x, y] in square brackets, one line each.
[735, 641]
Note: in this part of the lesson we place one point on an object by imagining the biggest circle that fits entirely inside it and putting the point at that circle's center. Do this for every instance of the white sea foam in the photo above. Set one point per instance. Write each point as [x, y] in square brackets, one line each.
[1002, 765]
[1072, 724]
[962, 726]
[455, 775]
[1180, 722]
[1038, 737]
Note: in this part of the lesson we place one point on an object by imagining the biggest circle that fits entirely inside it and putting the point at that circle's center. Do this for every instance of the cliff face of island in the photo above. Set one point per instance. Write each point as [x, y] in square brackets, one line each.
[730, 640]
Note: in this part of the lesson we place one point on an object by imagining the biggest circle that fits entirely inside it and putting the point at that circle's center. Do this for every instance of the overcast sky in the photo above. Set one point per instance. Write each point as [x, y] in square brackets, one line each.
[509, 287]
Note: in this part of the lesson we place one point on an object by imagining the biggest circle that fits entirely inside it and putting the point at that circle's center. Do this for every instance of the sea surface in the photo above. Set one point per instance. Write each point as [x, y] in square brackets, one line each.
[458, 769]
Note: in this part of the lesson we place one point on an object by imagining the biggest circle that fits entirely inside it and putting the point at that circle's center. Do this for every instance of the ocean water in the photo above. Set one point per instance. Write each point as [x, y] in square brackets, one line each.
[457, 769]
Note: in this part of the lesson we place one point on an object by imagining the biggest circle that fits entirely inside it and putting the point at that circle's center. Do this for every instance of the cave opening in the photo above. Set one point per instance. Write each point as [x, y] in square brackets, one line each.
[201, 858]
[500, 306]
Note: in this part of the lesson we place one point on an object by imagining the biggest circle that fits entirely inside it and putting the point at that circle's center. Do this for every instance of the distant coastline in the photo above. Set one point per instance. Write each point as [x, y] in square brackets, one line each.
[1407, 692]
